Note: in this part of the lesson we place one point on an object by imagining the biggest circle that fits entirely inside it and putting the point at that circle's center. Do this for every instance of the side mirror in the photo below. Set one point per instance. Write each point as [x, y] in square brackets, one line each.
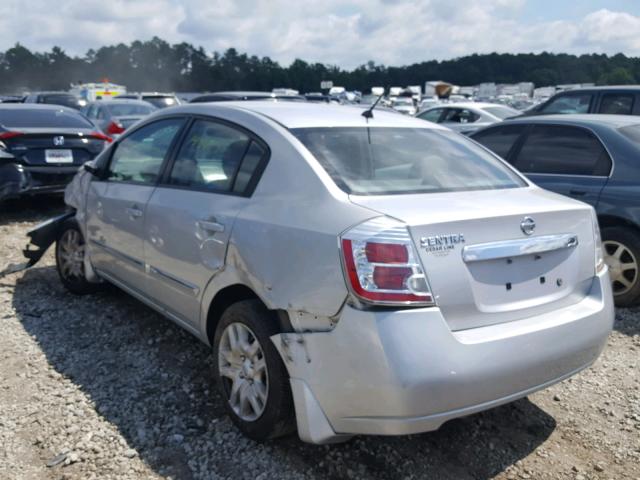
[93, 170]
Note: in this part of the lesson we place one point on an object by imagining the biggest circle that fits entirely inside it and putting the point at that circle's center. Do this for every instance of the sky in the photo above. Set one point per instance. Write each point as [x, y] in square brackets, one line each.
[346, 33]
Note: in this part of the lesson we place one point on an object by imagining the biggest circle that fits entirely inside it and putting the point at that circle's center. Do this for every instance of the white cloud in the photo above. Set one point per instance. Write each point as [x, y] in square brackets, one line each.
[341, 32]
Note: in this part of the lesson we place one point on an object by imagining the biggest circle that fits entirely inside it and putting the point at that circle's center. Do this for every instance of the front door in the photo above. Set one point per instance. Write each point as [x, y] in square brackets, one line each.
[116, 206]
[190, 215]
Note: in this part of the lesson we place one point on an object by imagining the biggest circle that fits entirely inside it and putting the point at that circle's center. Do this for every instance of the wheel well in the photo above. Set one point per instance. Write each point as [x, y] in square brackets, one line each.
[611, 221]
[223, 299]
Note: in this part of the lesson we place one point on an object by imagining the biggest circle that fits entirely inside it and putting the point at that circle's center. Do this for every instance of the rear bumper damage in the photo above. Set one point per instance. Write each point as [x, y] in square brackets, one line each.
[17, 180]
[404, 372]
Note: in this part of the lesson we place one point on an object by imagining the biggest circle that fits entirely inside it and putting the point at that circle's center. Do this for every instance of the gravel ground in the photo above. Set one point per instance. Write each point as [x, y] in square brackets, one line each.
[102, 387]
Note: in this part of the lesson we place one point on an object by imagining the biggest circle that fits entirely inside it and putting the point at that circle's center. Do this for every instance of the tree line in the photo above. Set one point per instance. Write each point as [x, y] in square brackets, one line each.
[159, 66]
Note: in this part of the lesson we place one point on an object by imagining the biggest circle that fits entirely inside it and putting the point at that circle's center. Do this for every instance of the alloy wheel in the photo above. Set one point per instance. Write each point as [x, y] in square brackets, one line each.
[71, 254]
[623, 266]
[243, 370]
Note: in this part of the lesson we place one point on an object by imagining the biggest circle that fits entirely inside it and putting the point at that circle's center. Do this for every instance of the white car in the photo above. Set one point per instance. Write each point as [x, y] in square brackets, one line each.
[467, 117]
[355, 272]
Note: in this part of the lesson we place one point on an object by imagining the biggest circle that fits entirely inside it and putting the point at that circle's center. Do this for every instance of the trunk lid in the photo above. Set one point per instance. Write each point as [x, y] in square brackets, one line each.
[504, 274]
[31, 146]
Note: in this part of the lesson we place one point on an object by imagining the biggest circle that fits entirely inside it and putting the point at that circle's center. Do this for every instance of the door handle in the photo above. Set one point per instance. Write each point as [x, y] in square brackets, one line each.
[577, 193]
[134, 212]
[210, 225]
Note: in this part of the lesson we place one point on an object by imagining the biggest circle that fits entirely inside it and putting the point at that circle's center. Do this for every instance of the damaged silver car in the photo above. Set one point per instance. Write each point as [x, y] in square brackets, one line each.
[354, 272]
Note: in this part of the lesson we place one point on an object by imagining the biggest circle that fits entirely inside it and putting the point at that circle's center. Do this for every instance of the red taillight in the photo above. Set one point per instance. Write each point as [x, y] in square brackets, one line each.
[386, 253]
[101, 136]
[382, 266]
[115, 128]
[7, 135]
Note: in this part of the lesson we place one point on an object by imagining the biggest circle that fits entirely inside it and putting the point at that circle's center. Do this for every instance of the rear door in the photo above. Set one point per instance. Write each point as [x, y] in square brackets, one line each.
[116, 206]
[565, 159]
[500, 139]
[191, 214]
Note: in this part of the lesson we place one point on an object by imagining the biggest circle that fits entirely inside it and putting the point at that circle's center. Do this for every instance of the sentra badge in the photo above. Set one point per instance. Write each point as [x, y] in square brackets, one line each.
[441, 244]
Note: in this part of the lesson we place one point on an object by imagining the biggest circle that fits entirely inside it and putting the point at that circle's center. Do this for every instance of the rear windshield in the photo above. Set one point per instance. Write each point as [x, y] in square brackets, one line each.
[384, 161]
[124, 110]
[61, 99]
[502, 112]
[161, 102]
[42, 118]
[632, 132]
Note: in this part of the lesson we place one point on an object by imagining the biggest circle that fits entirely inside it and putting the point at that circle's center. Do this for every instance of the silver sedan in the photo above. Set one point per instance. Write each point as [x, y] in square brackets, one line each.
[467, 117]
[354, 272]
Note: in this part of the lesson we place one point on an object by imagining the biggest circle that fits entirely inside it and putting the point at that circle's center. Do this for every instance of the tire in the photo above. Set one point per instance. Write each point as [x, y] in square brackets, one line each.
[70, 259]
[265, 413]
[622, 250]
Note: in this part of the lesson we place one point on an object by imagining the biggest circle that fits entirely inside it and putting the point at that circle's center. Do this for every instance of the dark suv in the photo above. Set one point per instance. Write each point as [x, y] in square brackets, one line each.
[593, 158]
[607, 100]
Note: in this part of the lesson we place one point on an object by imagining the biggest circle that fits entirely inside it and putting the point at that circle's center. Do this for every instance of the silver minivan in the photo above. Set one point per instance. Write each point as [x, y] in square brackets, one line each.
[354, 272]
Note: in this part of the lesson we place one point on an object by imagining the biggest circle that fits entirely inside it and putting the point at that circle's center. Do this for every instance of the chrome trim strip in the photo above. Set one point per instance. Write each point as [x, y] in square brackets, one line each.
[118, 254]
[514, 248]
[193, 289]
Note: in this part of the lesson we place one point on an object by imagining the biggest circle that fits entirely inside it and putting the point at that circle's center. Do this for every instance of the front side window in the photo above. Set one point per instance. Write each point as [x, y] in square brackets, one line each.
[499, 139]
[460, 115]
[578, 103]
[139, 156]
[216, 157]
[563, 150]
[386, 160]
[616, 104]
[431, 115]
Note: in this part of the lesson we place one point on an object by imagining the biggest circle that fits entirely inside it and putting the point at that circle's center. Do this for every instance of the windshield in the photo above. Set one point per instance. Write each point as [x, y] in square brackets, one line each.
[403, 101]
[124, 109]
[501, 112]
[42, 118]
[384, 161]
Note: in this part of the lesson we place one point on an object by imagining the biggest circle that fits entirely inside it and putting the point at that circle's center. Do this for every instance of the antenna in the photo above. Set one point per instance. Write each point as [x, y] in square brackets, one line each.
[368, 113]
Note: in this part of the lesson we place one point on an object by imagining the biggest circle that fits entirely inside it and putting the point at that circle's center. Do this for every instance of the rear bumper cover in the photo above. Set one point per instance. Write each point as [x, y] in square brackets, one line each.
[17, 180]
[403, 372]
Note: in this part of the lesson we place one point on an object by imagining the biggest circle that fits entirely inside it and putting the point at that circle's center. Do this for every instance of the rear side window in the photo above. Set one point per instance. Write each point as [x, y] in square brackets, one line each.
[216, 157]
[564, 151]
[499, 139]
[460, 115]
[139, 156]
[617, 104]
[42, 118]
[387, 160]
[577, 103]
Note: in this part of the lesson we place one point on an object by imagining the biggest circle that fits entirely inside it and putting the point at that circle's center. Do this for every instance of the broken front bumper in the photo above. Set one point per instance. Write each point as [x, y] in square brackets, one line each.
[403, 372]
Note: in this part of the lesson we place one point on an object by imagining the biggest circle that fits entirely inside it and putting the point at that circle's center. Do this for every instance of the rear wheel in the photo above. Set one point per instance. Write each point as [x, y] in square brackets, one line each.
[252, 378]
[70, 251]
[622, 255]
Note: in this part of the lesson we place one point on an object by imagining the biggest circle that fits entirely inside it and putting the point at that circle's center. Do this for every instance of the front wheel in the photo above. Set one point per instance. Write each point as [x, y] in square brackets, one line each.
[622, 256]
[252, 378]
[70, 252]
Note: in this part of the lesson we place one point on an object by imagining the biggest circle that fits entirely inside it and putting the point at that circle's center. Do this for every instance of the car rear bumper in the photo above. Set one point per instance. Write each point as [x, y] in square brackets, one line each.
[17, 180]
[403, 372]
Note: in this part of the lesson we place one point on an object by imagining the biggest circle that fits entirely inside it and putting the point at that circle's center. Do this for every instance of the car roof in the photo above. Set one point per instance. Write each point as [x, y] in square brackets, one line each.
[631, 88]
[122, 101]
[310, 115]
[36, 106]
[585, 119]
